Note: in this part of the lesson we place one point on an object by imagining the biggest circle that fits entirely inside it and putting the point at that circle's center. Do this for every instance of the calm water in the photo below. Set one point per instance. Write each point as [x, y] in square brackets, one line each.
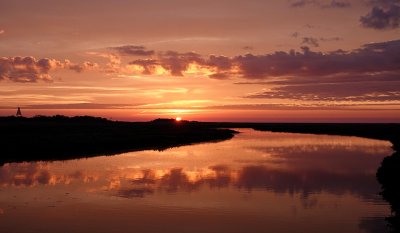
[255, 182]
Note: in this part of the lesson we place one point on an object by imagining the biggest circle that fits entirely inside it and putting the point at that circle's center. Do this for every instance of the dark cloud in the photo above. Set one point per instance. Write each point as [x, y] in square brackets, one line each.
[369, 58]
[311, 41]
[383, 3]
[346, 91]
[295, 34]
[330, 39]
[332, 4]
[380, 19]
[376, 57]
[173, 62]
[338, 4]
[219, 76]
[176, 63]
[131, 50]
[149, 65]
[248, 47]
[301, 3]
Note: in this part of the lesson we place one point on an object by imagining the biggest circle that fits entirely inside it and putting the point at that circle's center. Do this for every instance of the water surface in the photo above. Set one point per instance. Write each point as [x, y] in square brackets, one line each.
[255, 182]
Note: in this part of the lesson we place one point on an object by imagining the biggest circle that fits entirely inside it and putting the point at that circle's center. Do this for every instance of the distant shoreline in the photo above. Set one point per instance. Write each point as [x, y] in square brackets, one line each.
[61, 138]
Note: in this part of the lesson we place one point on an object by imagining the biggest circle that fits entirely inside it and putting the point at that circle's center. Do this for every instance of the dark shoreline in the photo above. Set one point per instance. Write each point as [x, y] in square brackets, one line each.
[61, 138]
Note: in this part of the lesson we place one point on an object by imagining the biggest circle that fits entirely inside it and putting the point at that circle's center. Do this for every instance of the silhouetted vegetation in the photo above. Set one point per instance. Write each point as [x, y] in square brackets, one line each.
[388, 175]
[60, 137]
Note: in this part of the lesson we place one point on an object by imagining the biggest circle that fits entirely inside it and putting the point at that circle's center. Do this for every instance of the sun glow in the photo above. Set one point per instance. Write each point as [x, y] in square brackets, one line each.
[178, 119]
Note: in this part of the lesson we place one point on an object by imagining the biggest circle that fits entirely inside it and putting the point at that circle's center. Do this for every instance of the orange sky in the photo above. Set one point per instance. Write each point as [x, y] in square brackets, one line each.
[258, 61]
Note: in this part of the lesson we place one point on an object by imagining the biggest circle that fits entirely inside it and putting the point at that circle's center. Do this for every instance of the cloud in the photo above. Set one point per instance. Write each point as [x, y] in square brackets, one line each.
[26, 69]
[173, 62]
[383, 3]
[1, 31]
[310, 41]
[131, 50]
[295, 34]
[248, 47]
[149, 65]
[369, 58]
[332, 4]
[176, 63]
[80, 106]
[29, 69]
[380, 19]
[301, 3]
[347, 91]
[330, 39]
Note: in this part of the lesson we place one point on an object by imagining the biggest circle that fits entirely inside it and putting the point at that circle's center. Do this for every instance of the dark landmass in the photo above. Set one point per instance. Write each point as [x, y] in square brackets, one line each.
[389, 132]
[60, 137]
[381, 131]
[388, 175]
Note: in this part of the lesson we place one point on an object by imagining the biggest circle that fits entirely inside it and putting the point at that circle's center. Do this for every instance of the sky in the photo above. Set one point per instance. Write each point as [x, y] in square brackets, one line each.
[208, 60]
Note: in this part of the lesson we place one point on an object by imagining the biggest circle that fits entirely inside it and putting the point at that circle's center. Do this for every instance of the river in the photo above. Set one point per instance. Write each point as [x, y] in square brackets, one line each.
[255, 182]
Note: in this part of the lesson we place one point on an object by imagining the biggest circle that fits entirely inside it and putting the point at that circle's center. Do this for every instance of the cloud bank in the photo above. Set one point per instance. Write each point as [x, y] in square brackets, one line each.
[369, 58]
[369, 73]
[385, 15]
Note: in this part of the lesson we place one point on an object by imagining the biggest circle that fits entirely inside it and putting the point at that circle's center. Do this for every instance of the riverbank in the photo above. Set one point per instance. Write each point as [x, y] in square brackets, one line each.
[60, 138]
[380, 131]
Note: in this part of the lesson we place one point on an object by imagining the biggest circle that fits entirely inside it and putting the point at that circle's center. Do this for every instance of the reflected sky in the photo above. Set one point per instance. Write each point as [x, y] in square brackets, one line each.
[258, 182]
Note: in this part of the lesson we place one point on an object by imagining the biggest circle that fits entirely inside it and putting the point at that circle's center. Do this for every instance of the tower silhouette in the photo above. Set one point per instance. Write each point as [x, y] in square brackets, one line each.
[19, 112]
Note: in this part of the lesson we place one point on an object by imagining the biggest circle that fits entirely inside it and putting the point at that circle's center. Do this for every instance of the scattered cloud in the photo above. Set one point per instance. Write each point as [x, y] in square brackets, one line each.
[375, 57]
[301, 3]
[311, 41]
[248, 47]
[380, 19]
[29, 69]
[131, 50]
[26, 69]
[338, 4]
[81, 106]
[332, 4]
[383, 3]
[309, 26]
[357, 91]
[304, 67]
[295, 34]
[330, 39]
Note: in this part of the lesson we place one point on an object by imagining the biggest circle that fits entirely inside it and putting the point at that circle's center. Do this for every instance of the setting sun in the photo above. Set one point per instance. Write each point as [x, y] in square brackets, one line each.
[178, 119]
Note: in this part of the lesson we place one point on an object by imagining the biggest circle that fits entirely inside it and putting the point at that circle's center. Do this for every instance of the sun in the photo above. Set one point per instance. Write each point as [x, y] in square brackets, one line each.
[178, 119]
